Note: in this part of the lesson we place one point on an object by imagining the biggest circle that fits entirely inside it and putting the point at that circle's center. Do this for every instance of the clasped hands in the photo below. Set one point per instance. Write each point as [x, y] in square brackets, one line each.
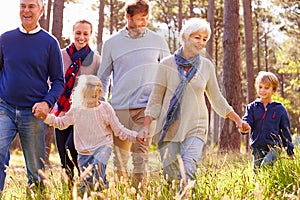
[143, 135]
[40, 110]
[244, 127]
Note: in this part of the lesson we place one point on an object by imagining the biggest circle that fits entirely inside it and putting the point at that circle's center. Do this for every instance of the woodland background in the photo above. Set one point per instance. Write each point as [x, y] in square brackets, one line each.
[247, 37]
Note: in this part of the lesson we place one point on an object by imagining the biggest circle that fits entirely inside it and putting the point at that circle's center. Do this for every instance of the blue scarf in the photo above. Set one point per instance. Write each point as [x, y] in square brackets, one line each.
[174, 107]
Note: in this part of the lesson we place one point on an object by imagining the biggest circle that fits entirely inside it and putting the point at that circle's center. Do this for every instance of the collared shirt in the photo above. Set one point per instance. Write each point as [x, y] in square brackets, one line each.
[127, 33]
[23, 30]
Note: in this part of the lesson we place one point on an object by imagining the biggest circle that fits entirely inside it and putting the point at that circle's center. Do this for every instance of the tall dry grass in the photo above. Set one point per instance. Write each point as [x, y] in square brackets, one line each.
[219, 176]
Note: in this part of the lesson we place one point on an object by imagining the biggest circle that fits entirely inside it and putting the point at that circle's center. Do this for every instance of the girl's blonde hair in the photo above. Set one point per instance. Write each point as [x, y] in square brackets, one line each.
[87, 88]
[194, 25]
[267, 78]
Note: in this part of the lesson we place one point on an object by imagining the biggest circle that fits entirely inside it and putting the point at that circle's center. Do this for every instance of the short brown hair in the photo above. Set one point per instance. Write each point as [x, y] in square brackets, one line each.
[267, 78]
[133, 7]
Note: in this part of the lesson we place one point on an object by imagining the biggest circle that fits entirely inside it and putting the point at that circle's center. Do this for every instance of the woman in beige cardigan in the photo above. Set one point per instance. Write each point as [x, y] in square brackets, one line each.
[177, 102]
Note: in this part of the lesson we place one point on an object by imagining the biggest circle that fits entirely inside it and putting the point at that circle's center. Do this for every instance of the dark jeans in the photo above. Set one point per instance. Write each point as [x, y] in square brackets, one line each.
[65, 143]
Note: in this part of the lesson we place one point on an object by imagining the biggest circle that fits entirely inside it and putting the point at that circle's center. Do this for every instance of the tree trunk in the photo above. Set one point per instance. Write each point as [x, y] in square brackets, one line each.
[257, 41]
[179, 15]
[111, 24]
[191, 8]
[266, 52]
[218, 121]
[57, 25]
[210, 19]
[45, 18]
[100, 26]
[230, 138]
[209, 55]
[249, 56]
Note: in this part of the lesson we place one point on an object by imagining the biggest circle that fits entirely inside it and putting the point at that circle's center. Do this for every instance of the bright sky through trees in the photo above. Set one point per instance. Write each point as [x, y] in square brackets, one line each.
[9, 15]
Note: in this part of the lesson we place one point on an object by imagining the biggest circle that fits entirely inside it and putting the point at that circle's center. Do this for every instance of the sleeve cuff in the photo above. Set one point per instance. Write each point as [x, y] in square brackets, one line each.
[290, 151]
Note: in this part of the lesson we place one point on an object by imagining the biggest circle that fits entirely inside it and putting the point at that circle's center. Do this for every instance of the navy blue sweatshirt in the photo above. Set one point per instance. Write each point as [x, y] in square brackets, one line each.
[28, 60]
[269, 127]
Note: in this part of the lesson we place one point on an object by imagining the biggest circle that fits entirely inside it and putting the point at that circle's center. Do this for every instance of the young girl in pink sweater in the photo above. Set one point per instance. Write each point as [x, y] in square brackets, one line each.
[94, 123]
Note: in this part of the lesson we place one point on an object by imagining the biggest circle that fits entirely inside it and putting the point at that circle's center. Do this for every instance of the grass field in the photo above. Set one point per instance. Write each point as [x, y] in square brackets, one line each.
[220, 176]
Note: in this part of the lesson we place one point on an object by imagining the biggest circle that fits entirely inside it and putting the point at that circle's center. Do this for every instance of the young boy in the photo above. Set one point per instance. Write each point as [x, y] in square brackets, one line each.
[270, 125]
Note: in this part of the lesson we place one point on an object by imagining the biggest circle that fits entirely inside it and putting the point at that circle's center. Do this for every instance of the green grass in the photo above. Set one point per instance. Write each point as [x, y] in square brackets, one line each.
[221, 177]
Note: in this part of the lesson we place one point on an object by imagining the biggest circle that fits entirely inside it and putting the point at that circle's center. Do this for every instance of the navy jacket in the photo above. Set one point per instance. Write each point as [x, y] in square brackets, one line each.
[269, 127]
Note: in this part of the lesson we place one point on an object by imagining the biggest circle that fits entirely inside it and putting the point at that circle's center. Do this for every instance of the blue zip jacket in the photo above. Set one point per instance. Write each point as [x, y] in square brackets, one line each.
[269, 127]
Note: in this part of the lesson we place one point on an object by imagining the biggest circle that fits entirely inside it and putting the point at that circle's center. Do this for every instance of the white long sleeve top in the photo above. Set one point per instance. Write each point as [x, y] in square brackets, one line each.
[93, 127]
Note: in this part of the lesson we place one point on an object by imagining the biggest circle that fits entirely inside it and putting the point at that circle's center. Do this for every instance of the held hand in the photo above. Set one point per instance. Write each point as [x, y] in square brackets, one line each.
[140, 140]
[40, 110]
[244, 127]
[140, 135]
[55, 110]
[143, 134]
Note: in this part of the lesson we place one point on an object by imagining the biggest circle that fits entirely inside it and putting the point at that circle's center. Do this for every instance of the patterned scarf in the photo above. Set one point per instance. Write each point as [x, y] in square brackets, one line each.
[77, 57]
[174, 107]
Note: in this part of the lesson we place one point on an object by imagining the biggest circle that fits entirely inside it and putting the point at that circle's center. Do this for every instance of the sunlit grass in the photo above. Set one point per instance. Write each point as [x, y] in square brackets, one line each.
[220, 176]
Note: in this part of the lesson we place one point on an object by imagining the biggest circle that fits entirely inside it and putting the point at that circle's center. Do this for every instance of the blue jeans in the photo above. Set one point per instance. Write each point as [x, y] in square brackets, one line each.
[99, 160]
[190, 151]
[32, 132]
[262, 157]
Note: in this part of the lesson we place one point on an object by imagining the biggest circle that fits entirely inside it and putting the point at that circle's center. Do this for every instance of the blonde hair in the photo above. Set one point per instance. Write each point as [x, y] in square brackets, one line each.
[84, 93]
[267, 78]
[194, 25]
[83, 21]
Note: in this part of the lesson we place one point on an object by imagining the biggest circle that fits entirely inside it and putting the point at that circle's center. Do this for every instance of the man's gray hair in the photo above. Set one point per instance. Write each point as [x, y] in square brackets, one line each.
[41, 2]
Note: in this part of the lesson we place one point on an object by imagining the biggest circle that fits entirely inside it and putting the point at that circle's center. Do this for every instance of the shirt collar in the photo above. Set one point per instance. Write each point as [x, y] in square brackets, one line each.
[125, 32]
[37, 29]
